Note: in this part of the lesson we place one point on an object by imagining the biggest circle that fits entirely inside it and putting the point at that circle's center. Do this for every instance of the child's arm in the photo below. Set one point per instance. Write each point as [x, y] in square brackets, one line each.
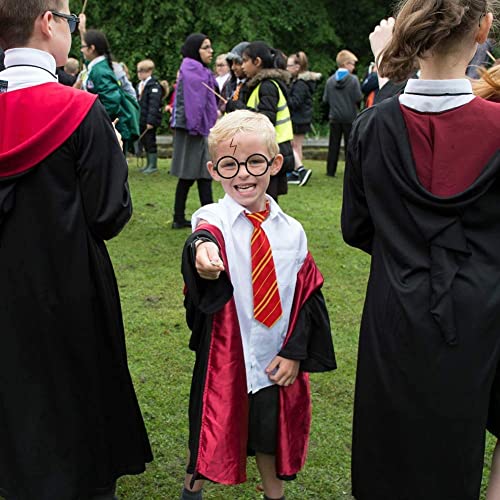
[283, 371]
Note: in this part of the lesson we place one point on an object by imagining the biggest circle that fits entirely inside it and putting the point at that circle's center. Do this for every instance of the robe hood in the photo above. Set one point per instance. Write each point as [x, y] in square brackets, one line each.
[35, 122]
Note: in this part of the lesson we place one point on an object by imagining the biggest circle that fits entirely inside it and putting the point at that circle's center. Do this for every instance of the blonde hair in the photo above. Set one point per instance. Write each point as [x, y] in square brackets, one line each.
[246, 122]
[146, 65]
[72, 66]
[345, 56]
[300, 58]
[488, 86]
[426, 26]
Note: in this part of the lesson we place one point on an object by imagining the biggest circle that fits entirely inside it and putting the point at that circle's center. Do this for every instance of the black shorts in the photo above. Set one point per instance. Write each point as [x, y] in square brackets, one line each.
[301, 128]
[263, 421]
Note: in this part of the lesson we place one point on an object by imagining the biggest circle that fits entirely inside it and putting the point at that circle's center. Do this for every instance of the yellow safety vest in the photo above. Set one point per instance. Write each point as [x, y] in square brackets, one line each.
[283, 126]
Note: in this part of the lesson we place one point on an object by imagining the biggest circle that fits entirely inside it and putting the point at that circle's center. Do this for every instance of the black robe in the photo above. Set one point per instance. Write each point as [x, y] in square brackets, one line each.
[70, 424]
[429, 342]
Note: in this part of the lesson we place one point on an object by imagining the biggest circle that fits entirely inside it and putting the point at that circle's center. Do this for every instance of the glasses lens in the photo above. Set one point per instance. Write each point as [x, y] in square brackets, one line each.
[72, 24]
[227, 167]
[257, 164]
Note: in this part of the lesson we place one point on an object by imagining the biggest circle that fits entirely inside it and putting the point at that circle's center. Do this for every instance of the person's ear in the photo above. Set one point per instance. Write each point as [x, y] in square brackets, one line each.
[484, 28]
[277, 164]
[257, 61]
[212, 171]
[43, 23]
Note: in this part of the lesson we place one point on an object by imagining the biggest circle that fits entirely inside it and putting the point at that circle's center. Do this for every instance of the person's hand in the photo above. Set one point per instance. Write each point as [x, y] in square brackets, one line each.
[168, 108]
[208, 262]
[82, 25]
[283, 371]
[381, 36]
[118, 135]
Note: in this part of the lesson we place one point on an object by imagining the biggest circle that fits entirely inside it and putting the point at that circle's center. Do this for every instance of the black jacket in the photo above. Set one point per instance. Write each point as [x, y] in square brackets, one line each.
[300, 100]
[150, 102]
[2, 56]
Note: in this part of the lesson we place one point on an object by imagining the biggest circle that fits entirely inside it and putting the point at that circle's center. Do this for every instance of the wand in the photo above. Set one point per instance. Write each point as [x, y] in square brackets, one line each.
[214, 92]
[84, 6]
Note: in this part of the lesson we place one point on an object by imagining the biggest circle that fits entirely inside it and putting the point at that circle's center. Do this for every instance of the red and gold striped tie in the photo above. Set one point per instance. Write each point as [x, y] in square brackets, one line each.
[266, 298]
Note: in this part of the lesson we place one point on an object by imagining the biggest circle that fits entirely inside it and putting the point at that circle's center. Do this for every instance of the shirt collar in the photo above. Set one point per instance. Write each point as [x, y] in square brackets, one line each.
[436, 95]
[236, 210]
[33, 57]
[95, 61]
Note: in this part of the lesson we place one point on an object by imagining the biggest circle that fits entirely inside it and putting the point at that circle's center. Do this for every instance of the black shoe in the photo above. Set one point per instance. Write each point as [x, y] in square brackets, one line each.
[304, 176]
[293, 177]
[181, 225]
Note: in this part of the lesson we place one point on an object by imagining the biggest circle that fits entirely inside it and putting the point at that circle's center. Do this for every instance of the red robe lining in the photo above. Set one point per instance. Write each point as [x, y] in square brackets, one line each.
[450, 149]
[36, 121]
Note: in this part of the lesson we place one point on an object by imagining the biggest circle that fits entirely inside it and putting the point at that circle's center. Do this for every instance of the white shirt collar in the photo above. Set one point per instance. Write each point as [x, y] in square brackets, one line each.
[143, 82]
[27, 67]
[95, 61]
[434, 96]
[35, 57]
[235, 209]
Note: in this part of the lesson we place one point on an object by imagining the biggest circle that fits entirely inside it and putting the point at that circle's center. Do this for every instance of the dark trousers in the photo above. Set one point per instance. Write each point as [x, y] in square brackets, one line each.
[148, 141]
[336, 132]
[181, 194]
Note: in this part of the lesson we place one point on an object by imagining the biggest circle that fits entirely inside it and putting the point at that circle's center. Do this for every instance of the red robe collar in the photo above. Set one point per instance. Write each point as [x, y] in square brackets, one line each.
[35, 121]
[222, 448]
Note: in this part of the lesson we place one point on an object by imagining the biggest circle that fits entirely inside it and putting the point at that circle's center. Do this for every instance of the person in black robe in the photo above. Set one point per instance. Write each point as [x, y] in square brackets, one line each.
[421, 197]
[70, 423]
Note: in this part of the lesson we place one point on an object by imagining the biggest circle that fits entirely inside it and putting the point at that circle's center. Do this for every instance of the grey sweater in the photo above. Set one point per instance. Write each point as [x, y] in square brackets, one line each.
[342, 98]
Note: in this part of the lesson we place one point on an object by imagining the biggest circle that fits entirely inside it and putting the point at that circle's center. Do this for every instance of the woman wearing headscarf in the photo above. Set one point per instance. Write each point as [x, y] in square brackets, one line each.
[194, 114]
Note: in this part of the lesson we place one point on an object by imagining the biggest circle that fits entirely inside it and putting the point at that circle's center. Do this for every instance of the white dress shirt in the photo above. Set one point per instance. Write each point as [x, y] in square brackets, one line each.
[289, 246]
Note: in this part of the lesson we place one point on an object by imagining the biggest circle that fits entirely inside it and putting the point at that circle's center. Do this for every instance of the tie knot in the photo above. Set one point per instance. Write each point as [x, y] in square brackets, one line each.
[257, 218]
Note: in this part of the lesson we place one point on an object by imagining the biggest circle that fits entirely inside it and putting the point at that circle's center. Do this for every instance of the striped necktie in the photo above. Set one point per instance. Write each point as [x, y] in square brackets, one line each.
[266, 298]
[236, 94]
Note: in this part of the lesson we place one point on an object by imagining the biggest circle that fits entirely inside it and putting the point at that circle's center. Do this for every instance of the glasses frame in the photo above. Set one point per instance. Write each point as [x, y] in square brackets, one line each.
[73, 19]
[244, 163]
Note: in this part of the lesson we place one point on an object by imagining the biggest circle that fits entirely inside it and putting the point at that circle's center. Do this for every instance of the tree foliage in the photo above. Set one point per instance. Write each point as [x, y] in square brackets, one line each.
[156, 29]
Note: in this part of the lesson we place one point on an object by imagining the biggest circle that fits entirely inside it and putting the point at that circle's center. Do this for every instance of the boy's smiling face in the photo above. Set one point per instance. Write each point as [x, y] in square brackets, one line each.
[246, 189]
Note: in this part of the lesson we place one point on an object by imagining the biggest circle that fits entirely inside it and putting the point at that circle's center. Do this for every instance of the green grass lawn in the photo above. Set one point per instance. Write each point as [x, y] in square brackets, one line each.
[146, 258]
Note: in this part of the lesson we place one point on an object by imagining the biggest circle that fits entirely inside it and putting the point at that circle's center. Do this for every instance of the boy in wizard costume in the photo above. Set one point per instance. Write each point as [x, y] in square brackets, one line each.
[70, 424]
[257, 315]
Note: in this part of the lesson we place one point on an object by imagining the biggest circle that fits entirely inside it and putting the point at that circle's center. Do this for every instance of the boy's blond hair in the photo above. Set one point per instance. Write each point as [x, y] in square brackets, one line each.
[146, 65]
[345, 56]
[243, 121]
[72, 66]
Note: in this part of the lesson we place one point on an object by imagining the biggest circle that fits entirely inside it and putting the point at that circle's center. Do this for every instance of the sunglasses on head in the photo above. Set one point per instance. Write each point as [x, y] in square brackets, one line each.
[73, 19]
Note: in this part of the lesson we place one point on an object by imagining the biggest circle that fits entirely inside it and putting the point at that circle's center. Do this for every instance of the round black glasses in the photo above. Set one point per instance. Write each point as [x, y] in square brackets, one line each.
[72, 19]
[228, 167]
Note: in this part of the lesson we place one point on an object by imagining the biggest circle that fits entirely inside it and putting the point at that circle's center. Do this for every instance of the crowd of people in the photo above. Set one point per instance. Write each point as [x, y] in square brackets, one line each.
[420, 197]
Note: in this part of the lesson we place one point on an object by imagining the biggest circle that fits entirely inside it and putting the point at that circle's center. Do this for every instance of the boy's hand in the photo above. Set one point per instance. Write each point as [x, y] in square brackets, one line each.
[208, 263]
[283, 371]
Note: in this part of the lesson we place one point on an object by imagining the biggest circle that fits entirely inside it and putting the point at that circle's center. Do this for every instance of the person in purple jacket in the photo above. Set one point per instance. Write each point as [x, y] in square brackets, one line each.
[194, 114]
